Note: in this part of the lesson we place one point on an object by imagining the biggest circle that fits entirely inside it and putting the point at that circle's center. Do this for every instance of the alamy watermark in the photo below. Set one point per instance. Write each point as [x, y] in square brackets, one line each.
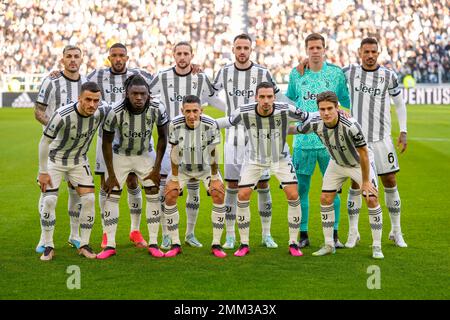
[374, 280]
[74, 279]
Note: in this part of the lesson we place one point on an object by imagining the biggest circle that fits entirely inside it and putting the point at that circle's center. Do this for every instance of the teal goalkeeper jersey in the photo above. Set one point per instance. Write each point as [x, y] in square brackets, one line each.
[304, 90]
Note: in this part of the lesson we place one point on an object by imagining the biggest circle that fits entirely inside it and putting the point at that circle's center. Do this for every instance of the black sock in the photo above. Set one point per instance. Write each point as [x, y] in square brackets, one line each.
[303, 234]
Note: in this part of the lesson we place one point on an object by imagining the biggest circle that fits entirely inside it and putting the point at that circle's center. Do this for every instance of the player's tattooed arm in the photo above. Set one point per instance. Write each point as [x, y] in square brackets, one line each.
[39, 113]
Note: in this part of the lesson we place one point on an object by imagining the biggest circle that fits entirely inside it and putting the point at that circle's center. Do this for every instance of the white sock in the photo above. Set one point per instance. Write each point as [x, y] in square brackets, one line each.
[243, 221]
[74, 207]
[40, 206]
[162, 199]
[376, 224]
[87, 217]
[393, 203]
[192, 205]
[153, 213]
[111, 219]
[101, 202]
[265, 210]
[230, 207]
[48, 217]
[294, 218]
[327, 213]
[218, 222]
[135, 205]
[172, 217]
[354, 203]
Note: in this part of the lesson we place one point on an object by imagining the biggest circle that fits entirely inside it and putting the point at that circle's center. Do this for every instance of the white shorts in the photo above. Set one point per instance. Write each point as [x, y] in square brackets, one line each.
[234, 157]
[386, 160]
[79, 175]
[140, 165]
[284, 171]
[100, 166]
[185, 177]
[336, 175]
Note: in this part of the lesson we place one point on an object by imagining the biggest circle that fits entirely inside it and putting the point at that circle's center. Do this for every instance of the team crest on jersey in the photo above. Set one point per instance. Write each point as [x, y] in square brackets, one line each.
[253, 80]
[382, 79]
[278, 122]
[194, 85]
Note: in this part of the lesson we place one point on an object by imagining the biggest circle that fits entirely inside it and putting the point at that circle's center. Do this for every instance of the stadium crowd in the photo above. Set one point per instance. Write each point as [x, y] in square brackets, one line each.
[413, 34]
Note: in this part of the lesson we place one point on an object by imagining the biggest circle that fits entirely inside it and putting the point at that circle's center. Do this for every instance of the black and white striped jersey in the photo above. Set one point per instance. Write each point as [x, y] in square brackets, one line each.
[370, 93]
[194, 144]
[266, 134]
[341, 140]
[240, 89]
[134, 131]
[72, 133]
[58, 92]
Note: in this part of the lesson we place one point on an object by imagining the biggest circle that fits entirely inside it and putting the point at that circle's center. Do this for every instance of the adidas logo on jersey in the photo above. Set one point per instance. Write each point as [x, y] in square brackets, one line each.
[22, 101]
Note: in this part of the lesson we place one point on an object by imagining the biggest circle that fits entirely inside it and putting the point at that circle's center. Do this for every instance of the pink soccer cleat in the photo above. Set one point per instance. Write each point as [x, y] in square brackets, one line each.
[242, 251]
[218, 251]
[104, 241]
[106, 253]
[154, 251]
[138, 240]
[176, 250]
[295, 251]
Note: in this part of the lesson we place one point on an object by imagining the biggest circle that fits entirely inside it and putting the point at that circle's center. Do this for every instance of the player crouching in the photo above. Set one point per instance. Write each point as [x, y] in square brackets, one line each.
[194, 138]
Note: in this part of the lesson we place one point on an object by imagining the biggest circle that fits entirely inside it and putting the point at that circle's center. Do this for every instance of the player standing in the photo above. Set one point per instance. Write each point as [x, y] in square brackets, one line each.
[173, 85]
[371, 87]
[56, 92]
[308, 150]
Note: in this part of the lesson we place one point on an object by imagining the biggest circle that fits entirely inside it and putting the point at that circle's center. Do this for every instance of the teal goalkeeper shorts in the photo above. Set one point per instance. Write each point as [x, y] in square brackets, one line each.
[304, 161]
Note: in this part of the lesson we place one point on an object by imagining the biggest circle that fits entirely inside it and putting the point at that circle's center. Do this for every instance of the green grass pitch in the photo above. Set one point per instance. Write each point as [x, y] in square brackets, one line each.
[417, 272]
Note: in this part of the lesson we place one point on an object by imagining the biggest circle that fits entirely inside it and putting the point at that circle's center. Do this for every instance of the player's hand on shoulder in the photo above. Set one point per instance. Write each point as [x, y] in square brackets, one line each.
[402, 143]
[44, 181]
[55, 74]
[196, 68]
[303, 64]
[345, 113]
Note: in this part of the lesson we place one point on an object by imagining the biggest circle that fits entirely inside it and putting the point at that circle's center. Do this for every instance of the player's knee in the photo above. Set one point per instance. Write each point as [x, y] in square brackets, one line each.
[171, 197]
[263, 184]
[132, 181]
[217, 197]
[49, 201]
[389, 180]
[326, 199]
[372, 202]
[244, 194]
[232, 185]
[291, 192]
[151, 190]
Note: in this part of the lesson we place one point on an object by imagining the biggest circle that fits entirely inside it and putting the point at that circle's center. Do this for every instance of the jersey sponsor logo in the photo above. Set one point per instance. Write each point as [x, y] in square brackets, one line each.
[83, 134]
[263, 135]
[176, 97]
[134, 134]
[309, 96]
[241, 93]
[114, 89]
[366, 89]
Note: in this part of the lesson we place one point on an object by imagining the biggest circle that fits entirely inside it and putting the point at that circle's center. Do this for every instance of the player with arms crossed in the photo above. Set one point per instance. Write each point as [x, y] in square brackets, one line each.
[173, 85]
[267, 124]
[194, 137]
[63, 152]
[371, 87]
[55, 92]
[126, 148]
[350, 158]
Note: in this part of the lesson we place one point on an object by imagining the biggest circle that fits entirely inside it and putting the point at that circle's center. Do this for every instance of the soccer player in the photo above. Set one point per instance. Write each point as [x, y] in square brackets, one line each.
[63, 152]
[350, 158]
[239, 81]
[267, 124]
[111, 81]
[371, 87]
[126, 148]
[173, 85]
[54, 93]
[194, 137]
[303, 87]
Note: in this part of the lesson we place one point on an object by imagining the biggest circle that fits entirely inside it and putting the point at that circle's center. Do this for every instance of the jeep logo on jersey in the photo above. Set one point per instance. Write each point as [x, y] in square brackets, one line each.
[83, 134]
[365, 89]
[114, 89]
[133, 134]
[310, 96]
[176, 97]
[242, 93]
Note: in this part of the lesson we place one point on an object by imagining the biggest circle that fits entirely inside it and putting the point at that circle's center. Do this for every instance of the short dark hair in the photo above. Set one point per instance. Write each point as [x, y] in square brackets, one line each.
[90, 86]
[314, 36]
[118, 45]
[71, 47]
[369, 40]
[327, 96]
[135, 80]
[243, 36]
[191, 99]
[182, 43]
[265, 84]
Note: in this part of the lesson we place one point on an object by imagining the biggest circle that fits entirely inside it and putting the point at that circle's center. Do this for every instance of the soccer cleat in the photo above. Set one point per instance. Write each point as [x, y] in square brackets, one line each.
[104, 241]
[229, 242]
[294, 250]
[269, 242]
[166, 242]
[325, 250]
[74, 243]
[40, 248]
[397, 237]
[176, 250]
[48, 254]
[376, 252]
[192, 241]
[217, 250]
[106, 253]
[338, 244]
[87, 252]
[154, 251]
[304, 243]
[353, 239]
[138, 240]
[242, 251]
